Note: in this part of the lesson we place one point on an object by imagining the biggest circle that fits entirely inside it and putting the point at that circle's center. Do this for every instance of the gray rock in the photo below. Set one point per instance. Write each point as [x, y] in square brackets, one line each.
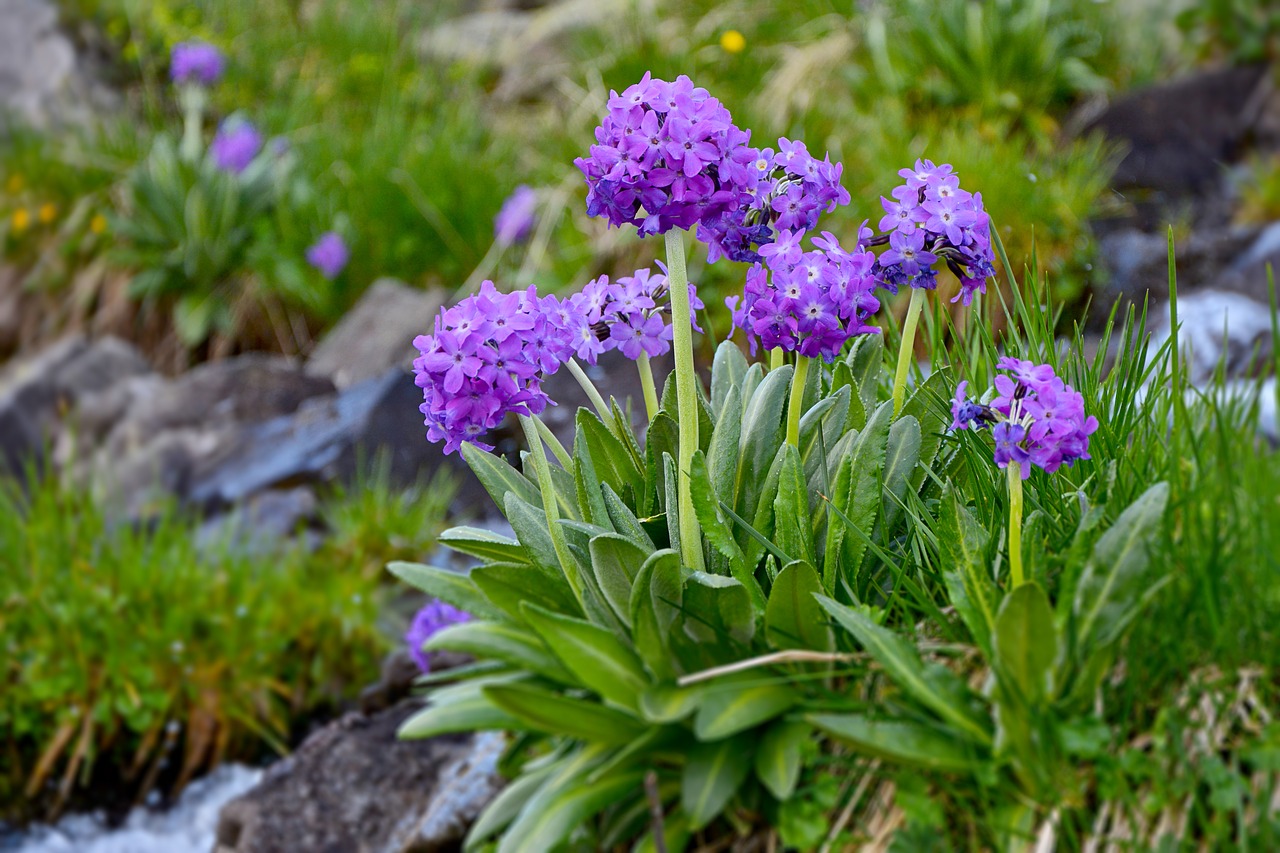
[376, 334]
[354, 786]
[42, 81]
[1219, 328]
[260, 524]
[1136, 263]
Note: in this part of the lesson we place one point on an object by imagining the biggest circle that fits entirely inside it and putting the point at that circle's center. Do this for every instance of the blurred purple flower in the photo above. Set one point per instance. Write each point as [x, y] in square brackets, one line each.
[329, 255]
[234, 146]
[516, 218]
[196, 62]
[434, 617]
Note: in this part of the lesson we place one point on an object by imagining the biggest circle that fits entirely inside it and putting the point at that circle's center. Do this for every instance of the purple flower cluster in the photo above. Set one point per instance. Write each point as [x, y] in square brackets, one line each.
[930, 219]
[329, 255]
[807, 302]
[791, 190]
[487, 358]
[434, 617]
[235, 145]
[196, 62]
[1036, 418]
[515, 218]
[628, 315]
[667, 155]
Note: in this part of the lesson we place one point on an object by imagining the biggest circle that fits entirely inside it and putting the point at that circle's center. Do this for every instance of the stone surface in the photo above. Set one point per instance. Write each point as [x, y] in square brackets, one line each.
[42, 80]
[1179, 134]
[1219, 328]
[1136, 263]
[261, 523]
[376, 334]
[353, 786]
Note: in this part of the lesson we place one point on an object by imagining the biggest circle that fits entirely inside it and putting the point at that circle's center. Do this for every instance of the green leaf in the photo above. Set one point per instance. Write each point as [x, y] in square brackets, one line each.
[907, 670]
[498, 477]
[793, 619]
[472, 712]
[451, 587]
[671, 488]
[613, 461]
[962, 545]
[727, 371]
[762, 435]
[530, 525]
[655, 603]
[557, 714]
[508, 804]
[663, 437]
[1026, 642]
[484, 544]
[723, 607]
[507, 585]
[736, 703]
[856, 494]
[779, 757]
[716, 529]
[930, 406]
[595, 655]
[792, 527]
[1114, 583]
[668, 703]
[910, 744]
[722, 458]
[587, 484]
[712, 774]
[866, 362]
[821, 429]
[616, 561]
[500, 641]
[901, 456]
[624, 520]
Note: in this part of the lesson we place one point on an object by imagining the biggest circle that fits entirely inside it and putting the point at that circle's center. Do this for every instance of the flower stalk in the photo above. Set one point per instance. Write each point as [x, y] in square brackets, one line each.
[647, 386]
[686, 396]
[543, 471]
[906, 351]
[798, 381]
[1015, 524]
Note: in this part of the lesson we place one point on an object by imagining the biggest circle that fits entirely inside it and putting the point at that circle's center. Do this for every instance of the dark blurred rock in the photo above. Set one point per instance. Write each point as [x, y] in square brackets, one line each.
[1137, 263]
[1218, 328]
[399, 672]
[260, 524]
[354, 786]
[376, 334]
[1180, 133]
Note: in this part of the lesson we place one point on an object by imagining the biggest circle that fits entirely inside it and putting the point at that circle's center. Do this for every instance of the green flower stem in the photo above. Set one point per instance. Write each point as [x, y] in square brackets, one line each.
[777, 358]
[686, 396]
[797, 400]
[193, 100]
[568, 564]
[646, 382]
[907, 350]
[1015, 524]
[601, 407]
[566, 460]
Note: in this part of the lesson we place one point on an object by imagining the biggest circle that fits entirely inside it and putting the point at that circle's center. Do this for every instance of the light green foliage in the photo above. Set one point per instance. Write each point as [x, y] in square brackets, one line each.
[125, 645]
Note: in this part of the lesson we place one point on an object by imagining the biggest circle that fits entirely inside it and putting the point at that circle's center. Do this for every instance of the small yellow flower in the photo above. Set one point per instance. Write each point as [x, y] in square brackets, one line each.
[733, 41]
[98, 225]
[47, 213]
[14, 184]
[21, 219]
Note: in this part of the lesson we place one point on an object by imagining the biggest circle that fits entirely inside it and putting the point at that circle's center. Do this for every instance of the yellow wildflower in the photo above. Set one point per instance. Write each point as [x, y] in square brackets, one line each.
[98, 225]
[47, 213]
[21, 219]
[733, 41]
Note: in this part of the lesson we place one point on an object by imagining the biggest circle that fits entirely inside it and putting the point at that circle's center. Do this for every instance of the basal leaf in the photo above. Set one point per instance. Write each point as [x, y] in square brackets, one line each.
[507, 585]
[501, 641]
[793, 618]
[780, 756]
[1026, 642]
[909, 744]
[727, 371]
[595, 655]
[555, 713]
[452, 587]
[498, 477]
[733, 704]
[962, 546]
[616, 561]
[484, 544]
[713, 773]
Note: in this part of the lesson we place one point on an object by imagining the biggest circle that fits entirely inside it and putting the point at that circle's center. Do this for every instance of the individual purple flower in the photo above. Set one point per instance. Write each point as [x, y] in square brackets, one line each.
[1036, 419]
[515, 220]
[196, 62]
[487, 358]
[329, 255]
[630, 315]
[807, 302]
[234, 146]
[434, 617]
[936, 221]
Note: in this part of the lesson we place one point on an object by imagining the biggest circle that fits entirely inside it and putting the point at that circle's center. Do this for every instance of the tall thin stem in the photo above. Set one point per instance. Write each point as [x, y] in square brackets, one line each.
[566, 460]
[797, 400]
[646, 383]
[589, 388]
[193, 99]
[777, 358]
[1015, 524]
[906, 351]
[686, 396]
[568, 564]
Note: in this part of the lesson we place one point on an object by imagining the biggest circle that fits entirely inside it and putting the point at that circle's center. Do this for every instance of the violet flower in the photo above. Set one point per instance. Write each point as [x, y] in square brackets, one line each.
[196, 62]
[329, 255]
[515, 220]
[234, 146]
[434, 617]
[1036, 419]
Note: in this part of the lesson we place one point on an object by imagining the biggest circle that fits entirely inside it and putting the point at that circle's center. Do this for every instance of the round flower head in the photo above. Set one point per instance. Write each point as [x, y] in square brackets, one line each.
[515, 220]
[329, 255]
[234, 146]
[930, 219]
[487, 358]
[807, 302]
[629, 315]
[665, 158]
[434, 617]
[196, 62]
[1036, 418]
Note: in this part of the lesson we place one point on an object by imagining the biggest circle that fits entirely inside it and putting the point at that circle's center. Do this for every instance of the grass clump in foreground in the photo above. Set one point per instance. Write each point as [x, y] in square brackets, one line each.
[133, 658]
